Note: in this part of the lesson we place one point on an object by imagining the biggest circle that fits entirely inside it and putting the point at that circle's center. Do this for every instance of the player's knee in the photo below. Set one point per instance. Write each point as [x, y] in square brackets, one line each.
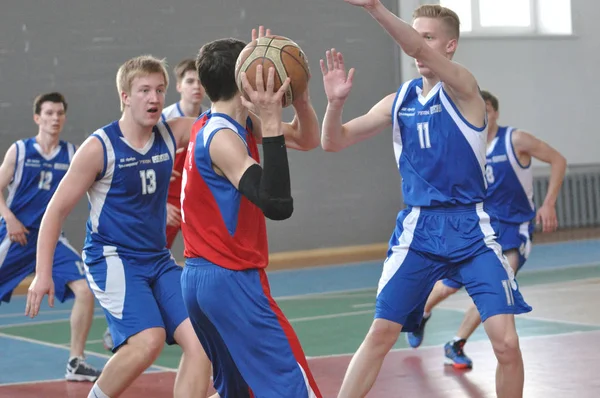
[383, 334]
[82, 291]
[188, 341]
[148, 343]
[506, 347]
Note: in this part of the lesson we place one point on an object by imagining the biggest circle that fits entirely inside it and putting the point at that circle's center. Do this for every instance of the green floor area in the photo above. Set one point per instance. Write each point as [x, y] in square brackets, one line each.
[336, 323]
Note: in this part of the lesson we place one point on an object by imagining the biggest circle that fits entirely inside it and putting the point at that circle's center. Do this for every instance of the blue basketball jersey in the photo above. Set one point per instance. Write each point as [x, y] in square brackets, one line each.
[128, 200]
[510, 184]
[36, 178]
[440, 155]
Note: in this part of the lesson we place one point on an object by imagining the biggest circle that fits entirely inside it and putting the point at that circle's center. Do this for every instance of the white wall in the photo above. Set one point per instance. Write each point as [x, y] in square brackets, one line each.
[546, 85]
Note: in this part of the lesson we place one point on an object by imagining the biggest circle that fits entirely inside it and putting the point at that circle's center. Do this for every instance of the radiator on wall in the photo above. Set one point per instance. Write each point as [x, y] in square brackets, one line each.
[578, 204]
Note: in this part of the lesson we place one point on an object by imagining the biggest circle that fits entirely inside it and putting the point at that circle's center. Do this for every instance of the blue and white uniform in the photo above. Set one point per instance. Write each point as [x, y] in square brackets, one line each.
[130, 271]
[36, 178]
[509, 196]
[444, 232]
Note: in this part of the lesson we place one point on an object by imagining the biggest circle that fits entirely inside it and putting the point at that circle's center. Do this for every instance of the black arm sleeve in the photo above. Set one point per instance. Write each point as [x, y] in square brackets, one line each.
[269, 188]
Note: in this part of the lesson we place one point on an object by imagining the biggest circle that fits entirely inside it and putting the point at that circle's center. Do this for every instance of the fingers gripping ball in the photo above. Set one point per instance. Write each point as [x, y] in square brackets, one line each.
[278, 52]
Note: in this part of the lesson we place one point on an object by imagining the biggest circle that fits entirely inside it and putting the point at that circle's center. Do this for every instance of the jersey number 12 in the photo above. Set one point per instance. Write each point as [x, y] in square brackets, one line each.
[45, 180]
[423, 129]
[148, 178]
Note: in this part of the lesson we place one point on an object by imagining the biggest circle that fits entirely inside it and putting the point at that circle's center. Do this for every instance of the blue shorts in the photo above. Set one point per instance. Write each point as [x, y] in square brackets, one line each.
[429, 244]
[17, 262]
[510, 237]
[137, 292]
[252, 346]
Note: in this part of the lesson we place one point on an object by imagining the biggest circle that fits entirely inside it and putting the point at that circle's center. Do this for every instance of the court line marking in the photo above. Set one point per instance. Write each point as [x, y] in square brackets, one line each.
[50, 312]
[380, 260]
[342, 292]
[481, 342]
[365, 312]
[86, 343]
[88, 353]
[307, 296]
[47, 322]
[34, 382]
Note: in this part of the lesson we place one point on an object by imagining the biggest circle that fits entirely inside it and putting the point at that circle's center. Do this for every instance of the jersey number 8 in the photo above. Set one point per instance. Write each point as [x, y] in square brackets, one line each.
[489, 174]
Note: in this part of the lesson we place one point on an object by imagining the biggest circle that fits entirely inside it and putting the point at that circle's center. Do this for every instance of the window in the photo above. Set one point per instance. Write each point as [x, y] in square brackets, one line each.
[512, 17]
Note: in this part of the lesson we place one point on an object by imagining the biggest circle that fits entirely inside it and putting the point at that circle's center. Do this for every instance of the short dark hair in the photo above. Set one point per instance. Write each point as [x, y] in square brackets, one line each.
[216, 68]
[188, 64]
[48, 97]
[487, 96]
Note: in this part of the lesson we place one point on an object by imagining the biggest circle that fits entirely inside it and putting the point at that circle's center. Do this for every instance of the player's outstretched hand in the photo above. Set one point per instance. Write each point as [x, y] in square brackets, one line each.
[265, 102]
[363, 3]
[40, 286]
[337, 83]
[260, 33]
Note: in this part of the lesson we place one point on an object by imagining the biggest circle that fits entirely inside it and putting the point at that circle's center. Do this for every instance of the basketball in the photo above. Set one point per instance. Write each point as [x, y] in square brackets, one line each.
[279, 52]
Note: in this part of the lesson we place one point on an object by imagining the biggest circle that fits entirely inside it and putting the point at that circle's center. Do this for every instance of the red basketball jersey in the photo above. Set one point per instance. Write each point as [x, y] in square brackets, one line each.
[219, 224]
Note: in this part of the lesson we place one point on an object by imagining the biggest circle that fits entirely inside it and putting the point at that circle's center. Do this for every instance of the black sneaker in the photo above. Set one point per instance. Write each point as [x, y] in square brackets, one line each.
[79, 370]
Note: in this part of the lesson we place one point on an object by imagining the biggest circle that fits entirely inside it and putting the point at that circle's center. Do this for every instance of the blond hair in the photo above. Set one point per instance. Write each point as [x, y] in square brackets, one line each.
[436, 11]
[139, 66]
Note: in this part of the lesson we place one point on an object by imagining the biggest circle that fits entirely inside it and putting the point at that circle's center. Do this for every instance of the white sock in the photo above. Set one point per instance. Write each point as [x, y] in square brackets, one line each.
[456, 338]
[96, 392]
[426, 315]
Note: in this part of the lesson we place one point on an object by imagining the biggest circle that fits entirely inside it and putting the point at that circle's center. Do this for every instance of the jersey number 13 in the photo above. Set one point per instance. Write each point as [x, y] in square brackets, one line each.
[148, 178]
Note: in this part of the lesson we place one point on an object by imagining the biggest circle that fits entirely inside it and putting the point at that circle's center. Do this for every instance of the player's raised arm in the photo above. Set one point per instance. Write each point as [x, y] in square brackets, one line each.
[87, 164]
[267, 187]
[302, 133]
[336, 135]
[413, 42]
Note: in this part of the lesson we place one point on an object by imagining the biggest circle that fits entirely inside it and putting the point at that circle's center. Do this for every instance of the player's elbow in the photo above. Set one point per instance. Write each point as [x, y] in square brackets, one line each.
[329, 146]
[310, 144]
[278, 209]
[416, 50]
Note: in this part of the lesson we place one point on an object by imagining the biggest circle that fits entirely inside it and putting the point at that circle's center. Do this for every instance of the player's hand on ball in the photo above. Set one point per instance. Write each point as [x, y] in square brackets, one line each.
[264, 101]
[337, 83]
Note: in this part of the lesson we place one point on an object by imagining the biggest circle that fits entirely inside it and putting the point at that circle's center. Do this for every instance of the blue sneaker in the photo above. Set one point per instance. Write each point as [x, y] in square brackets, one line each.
[415, 338]
[455, 355]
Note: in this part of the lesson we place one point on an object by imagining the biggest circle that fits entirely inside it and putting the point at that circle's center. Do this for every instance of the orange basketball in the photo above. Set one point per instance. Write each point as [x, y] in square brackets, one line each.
[279, 52]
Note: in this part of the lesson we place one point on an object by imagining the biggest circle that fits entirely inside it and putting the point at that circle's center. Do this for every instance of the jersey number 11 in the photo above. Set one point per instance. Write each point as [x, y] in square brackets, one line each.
[423, 129]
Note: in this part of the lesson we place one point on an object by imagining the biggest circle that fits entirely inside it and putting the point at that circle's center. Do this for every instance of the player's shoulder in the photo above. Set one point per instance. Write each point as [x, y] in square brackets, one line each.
[27, 141]
[410, 84]
[408, 90]
[103, 137]
[171, 111]
[66, 144]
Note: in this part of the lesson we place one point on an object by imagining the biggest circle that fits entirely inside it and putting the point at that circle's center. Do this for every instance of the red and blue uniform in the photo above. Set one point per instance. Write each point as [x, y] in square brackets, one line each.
[252, 346]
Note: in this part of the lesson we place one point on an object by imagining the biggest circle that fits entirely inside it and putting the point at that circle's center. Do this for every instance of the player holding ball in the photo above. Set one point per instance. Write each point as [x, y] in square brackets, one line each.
[251, 344]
